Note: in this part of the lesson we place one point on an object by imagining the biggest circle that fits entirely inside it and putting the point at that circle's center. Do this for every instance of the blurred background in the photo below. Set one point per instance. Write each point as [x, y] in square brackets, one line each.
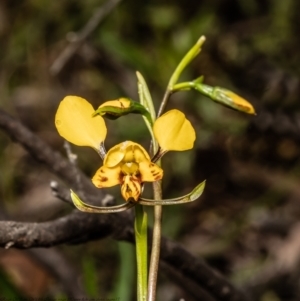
[247, 223]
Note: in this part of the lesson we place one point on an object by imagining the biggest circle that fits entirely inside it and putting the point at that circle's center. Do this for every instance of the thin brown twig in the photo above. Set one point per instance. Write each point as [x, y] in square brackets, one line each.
[79, 38]
[61, 192]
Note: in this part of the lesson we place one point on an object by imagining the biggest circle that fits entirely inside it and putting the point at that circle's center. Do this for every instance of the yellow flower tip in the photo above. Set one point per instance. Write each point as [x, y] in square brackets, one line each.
[174, 132]
[201, 40]
[241, 103]
[122, 103]
[74, 122]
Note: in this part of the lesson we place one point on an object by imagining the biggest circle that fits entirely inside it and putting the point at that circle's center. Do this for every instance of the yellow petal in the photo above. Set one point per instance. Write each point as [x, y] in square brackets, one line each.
[75, 123]
[174, 132]
[115, 155]
[150, 172]
[118, 103]
[135, 153]
[131, 188]
[127, 151]
[107, 177]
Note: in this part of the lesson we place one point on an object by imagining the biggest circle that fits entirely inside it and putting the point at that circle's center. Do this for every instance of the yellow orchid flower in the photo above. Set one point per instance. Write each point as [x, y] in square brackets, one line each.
[128, 163]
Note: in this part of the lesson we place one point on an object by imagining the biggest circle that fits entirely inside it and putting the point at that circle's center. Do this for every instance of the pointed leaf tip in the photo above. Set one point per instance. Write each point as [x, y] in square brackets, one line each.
[84, 207]
[190, 197]
[197, 191]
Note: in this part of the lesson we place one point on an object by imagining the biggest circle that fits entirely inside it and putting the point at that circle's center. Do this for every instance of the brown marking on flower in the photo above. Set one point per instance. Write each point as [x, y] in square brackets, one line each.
[155, 173]
[121, 104]
[133, 183]
[103, 179]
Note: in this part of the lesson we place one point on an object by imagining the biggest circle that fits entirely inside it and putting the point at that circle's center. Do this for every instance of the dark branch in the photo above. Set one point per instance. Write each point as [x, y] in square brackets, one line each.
[53, 160]
[75, 227]
[80, 227]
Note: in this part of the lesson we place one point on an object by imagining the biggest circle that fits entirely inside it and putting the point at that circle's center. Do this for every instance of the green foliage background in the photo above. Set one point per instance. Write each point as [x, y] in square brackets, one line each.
[243, 223]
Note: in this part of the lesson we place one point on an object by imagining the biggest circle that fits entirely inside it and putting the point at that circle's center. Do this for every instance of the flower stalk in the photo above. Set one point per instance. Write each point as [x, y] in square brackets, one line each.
[140, 230]
[155, 253]
[156, 241]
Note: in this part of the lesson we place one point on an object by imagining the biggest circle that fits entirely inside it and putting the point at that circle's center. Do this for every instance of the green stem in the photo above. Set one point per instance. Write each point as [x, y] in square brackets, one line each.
[156, 238]
[183, 86]
[155, 251]
[140, 227]
[191, 54]
[164, 103]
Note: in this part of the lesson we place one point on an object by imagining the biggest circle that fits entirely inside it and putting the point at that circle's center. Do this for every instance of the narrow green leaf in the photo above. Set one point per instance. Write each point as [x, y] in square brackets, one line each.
[146, 101]
[190, 197]
[145, 96]
[82, 206]
[190, 55]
